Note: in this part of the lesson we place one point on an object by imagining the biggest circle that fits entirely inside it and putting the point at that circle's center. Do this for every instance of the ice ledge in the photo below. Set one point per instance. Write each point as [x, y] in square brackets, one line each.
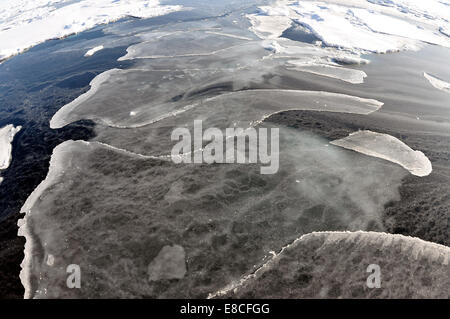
[389, 148]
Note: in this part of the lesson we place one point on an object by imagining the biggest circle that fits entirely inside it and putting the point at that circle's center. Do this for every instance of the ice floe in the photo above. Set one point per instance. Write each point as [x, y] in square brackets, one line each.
[167, 85]
[344, 258]
[358, 25]
[6, 137]
[437, 83]
[92, 51]
[179, 44]
[170, 263]
[389, 148]
[344, 74]
[269, 27]
[211, 210]
[57, 165]
[260, 104]
[95, 83]
[24, 23]
[149, 132]
[381, 23]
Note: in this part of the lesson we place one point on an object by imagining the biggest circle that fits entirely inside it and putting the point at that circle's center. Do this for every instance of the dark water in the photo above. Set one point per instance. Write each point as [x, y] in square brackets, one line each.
[33, 86]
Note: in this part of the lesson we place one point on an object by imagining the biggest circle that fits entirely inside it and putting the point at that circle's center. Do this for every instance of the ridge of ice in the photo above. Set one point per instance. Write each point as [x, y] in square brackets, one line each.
[437, 83]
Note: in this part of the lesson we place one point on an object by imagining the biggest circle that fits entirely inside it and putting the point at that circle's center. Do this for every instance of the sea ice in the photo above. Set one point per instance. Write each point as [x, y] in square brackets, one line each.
[216, 212]
[179, 44]
[358, 25]
[344, 260]
[317, 60]
[389, 148]
[6, 137]
[388, 25]
[92, 51]
[170, 263]
[24, 23]
[437, 83]
[344, 74]
[269, 27]
[167, 85]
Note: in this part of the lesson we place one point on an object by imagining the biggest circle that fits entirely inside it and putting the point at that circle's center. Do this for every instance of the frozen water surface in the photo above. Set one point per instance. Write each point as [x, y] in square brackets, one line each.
[396, 255]
[141, 226]
[388, 148]
[227, 218]
[437, 83]
[361, 25]
[26, 23]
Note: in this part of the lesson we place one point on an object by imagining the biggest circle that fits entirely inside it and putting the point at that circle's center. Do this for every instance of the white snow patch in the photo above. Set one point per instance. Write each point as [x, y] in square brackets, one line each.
[445, 31]
[268, 27]
[336, 26]
[389, 148]
[6, 137]
[386, 24]
[92, 51]
[25, 23]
